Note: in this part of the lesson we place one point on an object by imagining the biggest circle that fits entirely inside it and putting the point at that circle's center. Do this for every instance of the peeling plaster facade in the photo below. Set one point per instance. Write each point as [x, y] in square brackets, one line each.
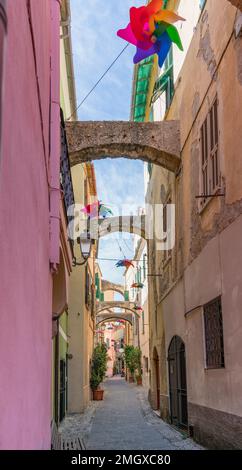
[206, 262]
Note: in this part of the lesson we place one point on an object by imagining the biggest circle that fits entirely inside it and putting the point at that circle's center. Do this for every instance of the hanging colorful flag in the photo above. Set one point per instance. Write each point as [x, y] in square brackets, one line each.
[152, 31]
[124, 263]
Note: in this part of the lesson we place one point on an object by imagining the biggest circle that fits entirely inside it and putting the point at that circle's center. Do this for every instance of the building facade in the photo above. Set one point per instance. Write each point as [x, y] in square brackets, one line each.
[61, 278]
[139, 274]
[29, 237]
[194, 301]
[81, 314]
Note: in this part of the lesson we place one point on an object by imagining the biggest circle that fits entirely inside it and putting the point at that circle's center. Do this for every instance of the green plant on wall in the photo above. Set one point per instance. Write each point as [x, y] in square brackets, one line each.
[99, 366]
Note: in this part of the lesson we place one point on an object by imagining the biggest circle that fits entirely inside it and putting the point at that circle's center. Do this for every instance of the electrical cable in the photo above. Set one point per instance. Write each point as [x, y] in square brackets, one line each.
[97, 83]
[131, 250]
[120, 248]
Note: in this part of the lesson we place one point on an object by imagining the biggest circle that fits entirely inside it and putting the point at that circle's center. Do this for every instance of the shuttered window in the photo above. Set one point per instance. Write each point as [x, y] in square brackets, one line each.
[167, 253]
[210, 173]
[87, 287]
[144, 266]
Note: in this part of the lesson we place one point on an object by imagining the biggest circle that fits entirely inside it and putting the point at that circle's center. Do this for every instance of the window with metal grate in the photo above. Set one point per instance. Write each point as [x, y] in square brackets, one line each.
[213, 331]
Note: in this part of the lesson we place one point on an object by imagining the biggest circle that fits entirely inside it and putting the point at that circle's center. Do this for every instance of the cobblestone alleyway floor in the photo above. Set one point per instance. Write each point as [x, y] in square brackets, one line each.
[125, 421]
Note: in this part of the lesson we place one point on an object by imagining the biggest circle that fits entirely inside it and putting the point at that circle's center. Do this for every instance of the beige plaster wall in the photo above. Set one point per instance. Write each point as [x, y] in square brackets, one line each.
[206, 261]
[81, 324]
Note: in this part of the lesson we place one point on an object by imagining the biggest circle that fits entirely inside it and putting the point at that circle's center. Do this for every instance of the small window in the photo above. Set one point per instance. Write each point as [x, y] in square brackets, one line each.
[143, 322]
[146, 364]
[213, 330]
[209, 137]
[167, 253]
[144, 266]
[165, 82]
[88, 289]
[136, 323]
[126, 296]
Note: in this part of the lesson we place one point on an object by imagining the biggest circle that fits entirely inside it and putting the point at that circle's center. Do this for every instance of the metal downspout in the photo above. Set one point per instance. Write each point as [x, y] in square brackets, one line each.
[55, 136]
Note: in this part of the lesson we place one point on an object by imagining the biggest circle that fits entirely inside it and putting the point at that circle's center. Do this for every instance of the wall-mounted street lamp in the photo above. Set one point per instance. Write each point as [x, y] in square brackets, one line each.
[85, 241]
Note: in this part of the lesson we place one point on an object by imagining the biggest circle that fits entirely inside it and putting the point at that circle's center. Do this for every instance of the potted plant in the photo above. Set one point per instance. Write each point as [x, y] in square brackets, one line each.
[99, 365]
[130, 360]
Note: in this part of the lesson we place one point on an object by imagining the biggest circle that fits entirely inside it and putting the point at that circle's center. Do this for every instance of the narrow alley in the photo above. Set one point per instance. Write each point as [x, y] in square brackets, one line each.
[120, 226]
[124, 420]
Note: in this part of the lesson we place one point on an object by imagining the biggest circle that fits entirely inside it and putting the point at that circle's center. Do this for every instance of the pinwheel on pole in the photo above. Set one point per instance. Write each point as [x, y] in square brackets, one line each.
[152, 31]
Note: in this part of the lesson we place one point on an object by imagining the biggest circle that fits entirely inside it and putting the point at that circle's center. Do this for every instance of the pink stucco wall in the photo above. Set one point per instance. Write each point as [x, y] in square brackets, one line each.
[25, 278]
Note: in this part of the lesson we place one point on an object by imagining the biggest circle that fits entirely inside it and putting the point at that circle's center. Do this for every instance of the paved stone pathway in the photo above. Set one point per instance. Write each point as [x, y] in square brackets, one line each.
[125, 421]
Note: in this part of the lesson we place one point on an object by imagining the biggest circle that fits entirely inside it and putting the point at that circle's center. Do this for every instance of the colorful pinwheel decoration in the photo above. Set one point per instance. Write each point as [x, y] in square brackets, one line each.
[91, 210]
[97, 209]
[124, 263]
[137, 308]
[137, 285]
[104, 211]
[152, 31]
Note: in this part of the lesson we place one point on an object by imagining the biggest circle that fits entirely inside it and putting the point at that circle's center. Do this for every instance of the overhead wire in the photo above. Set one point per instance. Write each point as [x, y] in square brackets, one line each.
[98, 81]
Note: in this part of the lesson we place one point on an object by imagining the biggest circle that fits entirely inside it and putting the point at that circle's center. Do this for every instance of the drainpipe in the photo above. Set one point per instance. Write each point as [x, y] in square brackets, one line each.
[3, 31]
[55, 136]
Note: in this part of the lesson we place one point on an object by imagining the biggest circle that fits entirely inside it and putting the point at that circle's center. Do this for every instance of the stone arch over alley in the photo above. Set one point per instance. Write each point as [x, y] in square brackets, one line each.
[104, 306]
[123, 224]
[110, 286]
[153, 142]
[111, 316]
[105, 311]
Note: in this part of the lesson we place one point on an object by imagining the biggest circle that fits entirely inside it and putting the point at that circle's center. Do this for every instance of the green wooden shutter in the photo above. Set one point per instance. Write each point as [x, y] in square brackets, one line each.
[126, 296]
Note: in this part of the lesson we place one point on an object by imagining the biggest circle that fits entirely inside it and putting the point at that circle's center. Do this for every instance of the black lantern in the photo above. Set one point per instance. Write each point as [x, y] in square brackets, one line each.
[85, 243]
